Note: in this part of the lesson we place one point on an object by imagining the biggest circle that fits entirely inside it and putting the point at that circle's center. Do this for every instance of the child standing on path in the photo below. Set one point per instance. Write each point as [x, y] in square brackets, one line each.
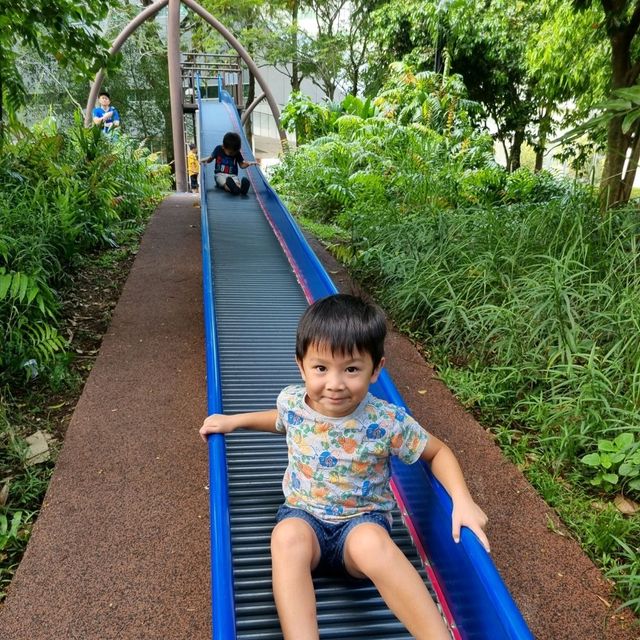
[338, 500]
[193, 167]
[228, 157]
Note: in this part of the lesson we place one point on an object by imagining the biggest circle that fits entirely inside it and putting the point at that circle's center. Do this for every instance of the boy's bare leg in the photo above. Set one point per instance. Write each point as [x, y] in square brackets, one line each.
[294, 553]
[370, 551]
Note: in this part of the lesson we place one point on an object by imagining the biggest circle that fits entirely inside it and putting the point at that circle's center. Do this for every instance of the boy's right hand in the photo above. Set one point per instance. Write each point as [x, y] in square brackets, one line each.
[217, 423]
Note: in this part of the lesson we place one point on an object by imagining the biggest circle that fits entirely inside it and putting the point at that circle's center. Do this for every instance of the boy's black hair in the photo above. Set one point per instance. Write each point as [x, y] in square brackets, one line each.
[232, 141]
[192, 146]
[104, 93]
[345, 324]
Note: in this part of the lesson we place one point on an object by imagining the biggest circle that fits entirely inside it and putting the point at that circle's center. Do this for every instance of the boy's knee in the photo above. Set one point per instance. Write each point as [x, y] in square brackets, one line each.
[292, 536]
[368, 546]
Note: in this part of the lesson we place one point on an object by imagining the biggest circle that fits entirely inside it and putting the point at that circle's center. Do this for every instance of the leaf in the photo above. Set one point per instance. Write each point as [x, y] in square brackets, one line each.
[611, 478]
[629, 93]
[630, 120]
[591, 459]
[627, 469]
[606, 445]
[605, 461]
[624, 440]
[24, 284]
[5, 283]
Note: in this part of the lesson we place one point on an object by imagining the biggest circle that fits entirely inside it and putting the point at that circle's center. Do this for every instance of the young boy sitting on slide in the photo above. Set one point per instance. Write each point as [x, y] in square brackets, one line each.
[228, 157]
[338, 502]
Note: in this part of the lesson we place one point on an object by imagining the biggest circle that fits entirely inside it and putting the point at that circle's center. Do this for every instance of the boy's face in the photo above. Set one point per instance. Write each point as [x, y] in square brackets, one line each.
[336, 383]
[104, 101]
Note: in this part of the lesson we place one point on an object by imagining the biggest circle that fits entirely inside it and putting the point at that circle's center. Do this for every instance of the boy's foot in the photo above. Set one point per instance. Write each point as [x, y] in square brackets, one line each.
[244, 186]
[232, 187]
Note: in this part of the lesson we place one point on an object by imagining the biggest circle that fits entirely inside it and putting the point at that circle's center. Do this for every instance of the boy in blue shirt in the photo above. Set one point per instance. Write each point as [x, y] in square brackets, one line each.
[105, 115]
[338, 500]
[228, 158]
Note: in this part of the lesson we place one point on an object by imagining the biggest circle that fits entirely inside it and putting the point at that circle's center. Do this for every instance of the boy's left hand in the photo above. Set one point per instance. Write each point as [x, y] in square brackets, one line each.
[466, 513]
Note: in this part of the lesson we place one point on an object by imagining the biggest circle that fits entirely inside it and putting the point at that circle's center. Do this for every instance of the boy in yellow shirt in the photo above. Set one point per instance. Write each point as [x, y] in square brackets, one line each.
[193, 167]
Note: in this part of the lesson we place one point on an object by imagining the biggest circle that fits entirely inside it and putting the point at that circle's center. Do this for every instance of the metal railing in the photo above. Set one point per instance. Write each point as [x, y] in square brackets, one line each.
[210, 67]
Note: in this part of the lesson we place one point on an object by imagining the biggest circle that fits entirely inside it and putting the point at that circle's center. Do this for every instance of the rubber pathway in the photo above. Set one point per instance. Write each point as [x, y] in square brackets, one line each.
[121, 548]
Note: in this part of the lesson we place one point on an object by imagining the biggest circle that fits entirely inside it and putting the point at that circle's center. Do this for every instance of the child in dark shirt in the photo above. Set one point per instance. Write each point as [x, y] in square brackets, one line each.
[228, 158]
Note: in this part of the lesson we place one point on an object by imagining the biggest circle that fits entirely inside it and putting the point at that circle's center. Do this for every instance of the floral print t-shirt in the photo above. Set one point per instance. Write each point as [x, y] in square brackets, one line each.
[340, 467]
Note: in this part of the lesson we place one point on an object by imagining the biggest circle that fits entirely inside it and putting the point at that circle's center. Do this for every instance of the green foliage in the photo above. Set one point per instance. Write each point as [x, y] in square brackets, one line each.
[307, 118]
[616, 458]
[527, 299]
[624, 104]
[62, 195]
[24, 487]
[68, 30]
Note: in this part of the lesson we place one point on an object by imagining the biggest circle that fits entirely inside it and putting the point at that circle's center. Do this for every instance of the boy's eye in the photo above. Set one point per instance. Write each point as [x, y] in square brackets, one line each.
[352, 369]
[320, 368]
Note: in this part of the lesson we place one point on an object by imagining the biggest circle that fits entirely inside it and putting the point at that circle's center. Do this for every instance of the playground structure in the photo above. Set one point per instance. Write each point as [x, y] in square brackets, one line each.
[177, 75]
[259, 273]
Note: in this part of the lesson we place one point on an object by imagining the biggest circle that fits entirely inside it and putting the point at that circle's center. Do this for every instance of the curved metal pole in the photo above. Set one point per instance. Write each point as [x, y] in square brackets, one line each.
[247, 112]
[175, 95]
[149, 12]
[242, 52]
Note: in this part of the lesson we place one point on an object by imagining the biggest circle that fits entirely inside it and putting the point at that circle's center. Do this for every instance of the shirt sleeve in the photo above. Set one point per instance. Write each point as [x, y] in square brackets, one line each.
[281, 404]
[409, 438]
[116, 116]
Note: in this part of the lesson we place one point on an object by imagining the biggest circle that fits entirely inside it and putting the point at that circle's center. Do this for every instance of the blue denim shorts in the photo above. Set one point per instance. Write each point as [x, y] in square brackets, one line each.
[333, 535]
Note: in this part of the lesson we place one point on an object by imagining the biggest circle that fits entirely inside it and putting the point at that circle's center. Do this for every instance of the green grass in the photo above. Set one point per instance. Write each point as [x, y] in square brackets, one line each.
[526, 298]
[72, 210]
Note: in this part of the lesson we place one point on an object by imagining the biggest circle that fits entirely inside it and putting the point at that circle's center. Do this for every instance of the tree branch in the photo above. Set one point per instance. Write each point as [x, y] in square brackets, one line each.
[632, 74]
[634, 23]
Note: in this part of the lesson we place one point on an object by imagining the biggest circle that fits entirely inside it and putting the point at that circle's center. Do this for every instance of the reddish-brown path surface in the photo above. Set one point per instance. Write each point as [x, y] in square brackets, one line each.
[120, 550]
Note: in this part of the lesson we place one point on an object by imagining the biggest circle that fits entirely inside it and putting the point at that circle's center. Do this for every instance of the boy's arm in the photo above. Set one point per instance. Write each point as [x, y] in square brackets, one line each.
[256, 420]
[445, 467]
[244, 164]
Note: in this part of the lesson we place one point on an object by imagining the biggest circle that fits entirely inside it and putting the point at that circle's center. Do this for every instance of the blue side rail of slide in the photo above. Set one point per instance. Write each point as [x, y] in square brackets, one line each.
[475, 593]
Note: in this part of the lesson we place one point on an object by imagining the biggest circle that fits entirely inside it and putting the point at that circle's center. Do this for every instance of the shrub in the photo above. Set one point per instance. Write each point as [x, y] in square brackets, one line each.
[63, 194]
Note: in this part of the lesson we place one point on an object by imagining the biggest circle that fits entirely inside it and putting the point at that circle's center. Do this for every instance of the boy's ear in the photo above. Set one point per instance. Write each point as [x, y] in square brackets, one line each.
[299, 363]
[377, 370]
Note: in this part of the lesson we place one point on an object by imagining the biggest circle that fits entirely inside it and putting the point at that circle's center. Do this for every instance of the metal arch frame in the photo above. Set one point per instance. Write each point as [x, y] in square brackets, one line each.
[249, 110]
[173, 59]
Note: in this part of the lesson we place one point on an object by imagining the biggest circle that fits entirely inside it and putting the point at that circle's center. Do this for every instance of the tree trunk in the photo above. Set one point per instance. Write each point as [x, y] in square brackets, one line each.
[355, 80]
[248, 125]
[543, 133]
[516, 150]
[295, 65]
[612, 187]
[632, 167]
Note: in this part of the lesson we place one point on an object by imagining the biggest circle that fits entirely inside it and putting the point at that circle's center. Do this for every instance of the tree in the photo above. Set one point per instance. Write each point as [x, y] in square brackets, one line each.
[487, 44]
[564, 91]
[69, 30]
[282, 43]
[620, 21]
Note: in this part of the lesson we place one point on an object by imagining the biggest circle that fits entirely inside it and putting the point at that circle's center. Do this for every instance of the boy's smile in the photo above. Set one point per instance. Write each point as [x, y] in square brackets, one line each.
[336, 383]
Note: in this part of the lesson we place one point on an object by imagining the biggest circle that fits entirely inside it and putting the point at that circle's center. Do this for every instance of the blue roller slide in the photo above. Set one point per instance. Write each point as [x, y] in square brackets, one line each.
[259, 274]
